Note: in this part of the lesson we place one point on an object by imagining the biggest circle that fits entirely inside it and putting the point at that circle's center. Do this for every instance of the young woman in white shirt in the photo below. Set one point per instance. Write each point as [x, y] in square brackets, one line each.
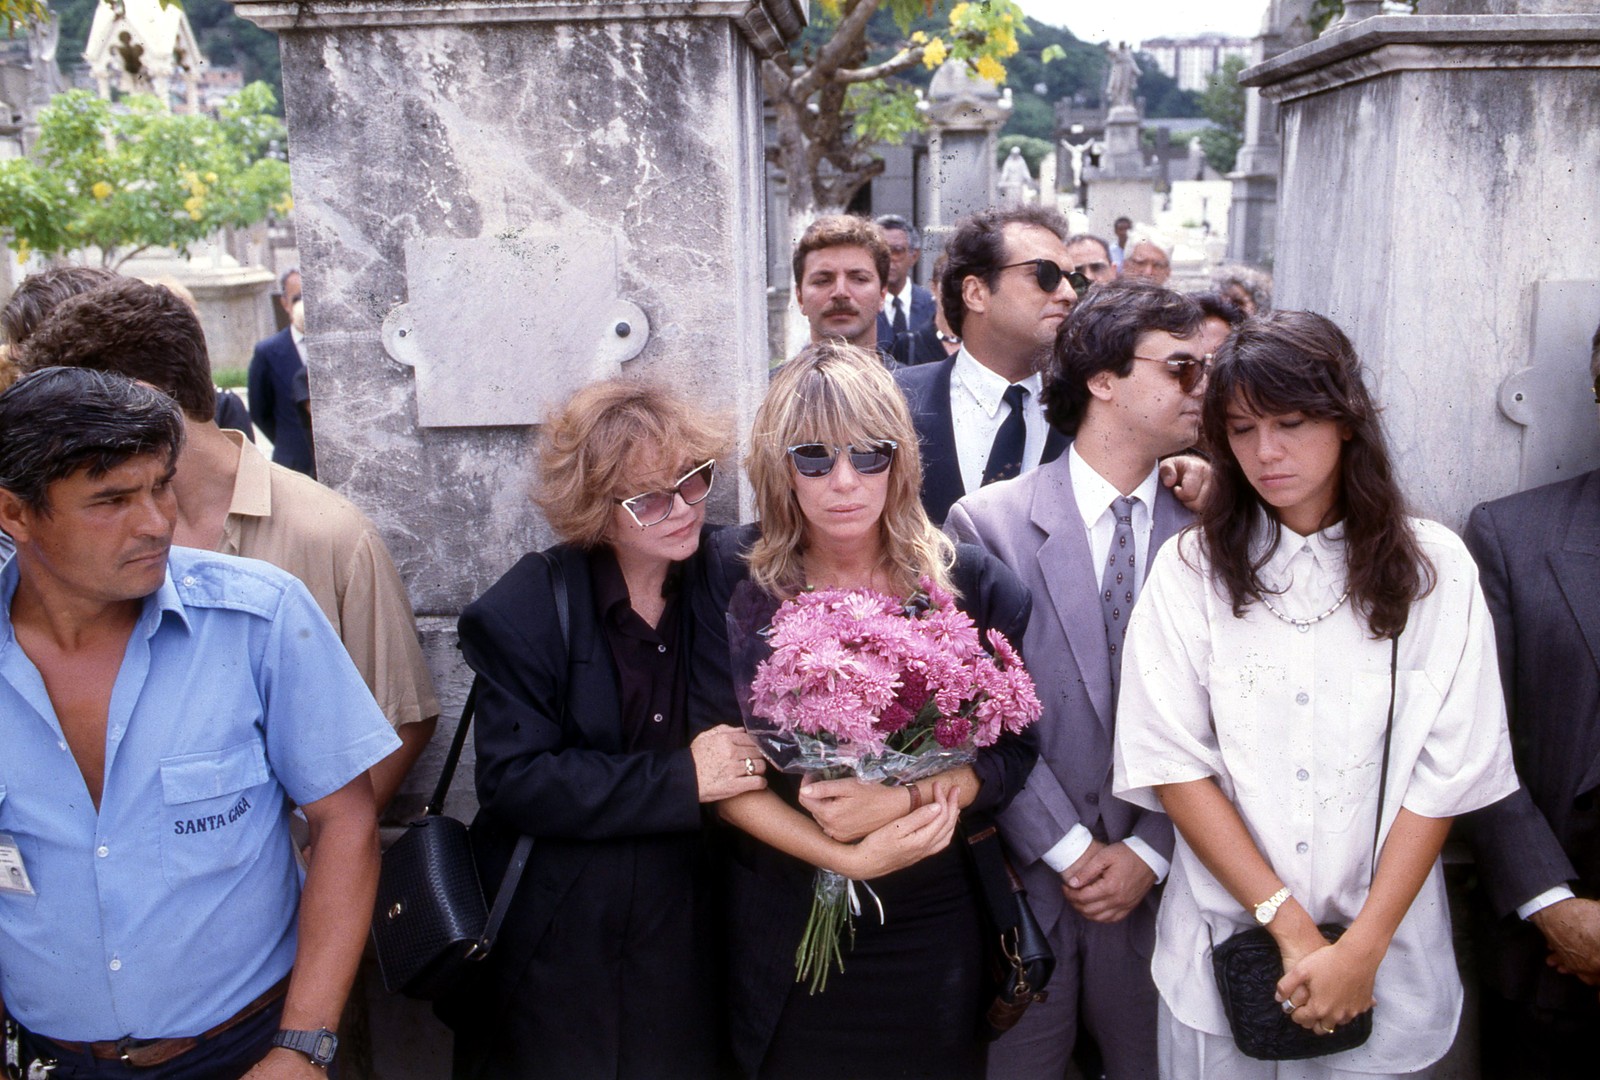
[1255, 693]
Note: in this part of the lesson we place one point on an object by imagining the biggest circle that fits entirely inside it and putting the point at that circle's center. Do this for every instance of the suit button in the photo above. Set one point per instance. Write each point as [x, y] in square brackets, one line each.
[1094, 798]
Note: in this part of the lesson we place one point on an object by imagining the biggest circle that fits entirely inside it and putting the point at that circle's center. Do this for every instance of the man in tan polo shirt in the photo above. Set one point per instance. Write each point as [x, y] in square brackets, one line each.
[232, 500]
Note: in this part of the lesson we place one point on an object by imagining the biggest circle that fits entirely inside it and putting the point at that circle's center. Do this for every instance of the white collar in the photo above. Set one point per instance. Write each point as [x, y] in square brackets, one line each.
[987, 387]
[1325, 549]
[905, 299]
[1094, 494]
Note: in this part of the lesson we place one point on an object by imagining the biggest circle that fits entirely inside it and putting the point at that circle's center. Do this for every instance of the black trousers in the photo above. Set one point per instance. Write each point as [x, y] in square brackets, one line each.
[227, 1056]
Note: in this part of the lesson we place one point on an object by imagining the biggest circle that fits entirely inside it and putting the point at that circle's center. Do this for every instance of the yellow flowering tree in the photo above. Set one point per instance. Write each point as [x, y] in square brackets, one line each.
[127, 177]
[835, 99]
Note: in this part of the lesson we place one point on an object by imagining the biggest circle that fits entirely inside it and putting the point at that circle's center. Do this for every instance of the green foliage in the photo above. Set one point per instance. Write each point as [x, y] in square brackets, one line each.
[1223, 103]
[1326, 12]
[1032, 116]
[885, 111]
[136, 176]
[1033, 150]
[17, 14]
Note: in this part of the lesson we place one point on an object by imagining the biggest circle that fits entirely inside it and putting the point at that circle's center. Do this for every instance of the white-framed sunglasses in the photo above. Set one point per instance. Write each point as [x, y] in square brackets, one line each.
[654, 507]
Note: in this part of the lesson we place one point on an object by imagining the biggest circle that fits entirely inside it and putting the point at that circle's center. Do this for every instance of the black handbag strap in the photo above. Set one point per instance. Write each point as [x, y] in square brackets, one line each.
[1388, 736]
[442, 788]
[996, 880]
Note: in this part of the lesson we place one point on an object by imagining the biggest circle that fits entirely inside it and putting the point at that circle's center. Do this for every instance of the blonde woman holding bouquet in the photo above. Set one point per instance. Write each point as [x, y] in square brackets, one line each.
[1310, 691]
[835, 469]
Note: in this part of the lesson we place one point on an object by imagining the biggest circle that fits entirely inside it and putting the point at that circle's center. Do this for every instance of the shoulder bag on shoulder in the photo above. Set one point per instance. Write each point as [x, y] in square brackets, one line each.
[430, 923]
[1249, 964]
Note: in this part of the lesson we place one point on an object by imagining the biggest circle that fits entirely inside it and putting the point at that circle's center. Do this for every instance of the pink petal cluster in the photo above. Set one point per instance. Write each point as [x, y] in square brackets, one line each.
[856, 668]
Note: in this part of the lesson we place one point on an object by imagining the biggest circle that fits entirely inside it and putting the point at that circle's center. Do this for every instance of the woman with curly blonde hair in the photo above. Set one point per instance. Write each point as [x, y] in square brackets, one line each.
[836, 473]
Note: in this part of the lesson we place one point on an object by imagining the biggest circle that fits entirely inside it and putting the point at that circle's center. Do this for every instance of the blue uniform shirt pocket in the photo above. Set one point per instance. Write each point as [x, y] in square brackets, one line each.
[7, 896]
[215, 818]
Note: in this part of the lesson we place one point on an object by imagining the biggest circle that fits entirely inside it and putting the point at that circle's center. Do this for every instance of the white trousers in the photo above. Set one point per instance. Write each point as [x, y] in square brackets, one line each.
[1188, 1054]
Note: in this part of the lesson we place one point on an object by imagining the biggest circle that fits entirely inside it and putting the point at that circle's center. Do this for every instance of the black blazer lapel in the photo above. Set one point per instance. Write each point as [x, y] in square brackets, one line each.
[592, 703]
[941, 469]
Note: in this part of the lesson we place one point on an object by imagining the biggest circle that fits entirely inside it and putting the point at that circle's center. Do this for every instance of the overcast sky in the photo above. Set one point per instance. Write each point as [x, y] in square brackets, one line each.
[1139, 20]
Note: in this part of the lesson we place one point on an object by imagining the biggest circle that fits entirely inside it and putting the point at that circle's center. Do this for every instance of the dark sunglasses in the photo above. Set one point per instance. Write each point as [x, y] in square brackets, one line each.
[816, 459]
[654, 507]
[1188, 372]
[1048, 274]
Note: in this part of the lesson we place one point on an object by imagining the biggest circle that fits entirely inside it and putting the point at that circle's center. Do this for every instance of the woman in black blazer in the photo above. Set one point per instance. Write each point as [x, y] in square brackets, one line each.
[835, 472]
[605, 966]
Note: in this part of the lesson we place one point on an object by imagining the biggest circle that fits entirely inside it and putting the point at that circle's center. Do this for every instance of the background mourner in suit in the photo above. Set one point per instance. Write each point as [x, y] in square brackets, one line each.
[933, 341]
[1004, 292]
[907, 306]
[1538, 850]
[840, 266]
[280, 395]
[1125, 384]
[1091, 257]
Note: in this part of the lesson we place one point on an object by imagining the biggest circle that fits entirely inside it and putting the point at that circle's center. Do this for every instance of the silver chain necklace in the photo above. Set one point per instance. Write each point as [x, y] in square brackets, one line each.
[1305, 625]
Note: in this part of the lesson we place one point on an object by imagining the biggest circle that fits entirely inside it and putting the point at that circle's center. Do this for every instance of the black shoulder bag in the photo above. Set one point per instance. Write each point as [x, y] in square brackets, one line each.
[430, 922]
[1020, 959]
[1249, 964]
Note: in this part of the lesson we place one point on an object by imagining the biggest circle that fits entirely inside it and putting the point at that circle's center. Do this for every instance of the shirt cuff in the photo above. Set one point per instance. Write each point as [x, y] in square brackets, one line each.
[1069, 849]
[1544, 900]
[1152, 858]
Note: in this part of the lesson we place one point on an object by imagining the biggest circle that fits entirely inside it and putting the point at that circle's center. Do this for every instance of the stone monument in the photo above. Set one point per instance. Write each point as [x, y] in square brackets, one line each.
[1016, 182]
[493, 202]
[1122, 184]
[143, 47]
[1438, 202]
[1252, 217]
[964, 114]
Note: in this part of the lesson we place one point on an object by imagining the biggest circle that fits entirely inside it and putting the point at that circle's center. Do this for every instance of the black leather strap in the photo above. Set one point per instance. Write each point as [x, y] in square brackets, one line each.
[442, 788]
[1388, 735]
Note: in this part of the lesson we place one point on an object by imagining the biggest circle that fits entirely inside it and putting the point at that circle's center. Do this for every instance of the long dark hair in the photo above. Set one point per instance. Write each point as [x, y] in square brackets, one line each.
[1297, 361]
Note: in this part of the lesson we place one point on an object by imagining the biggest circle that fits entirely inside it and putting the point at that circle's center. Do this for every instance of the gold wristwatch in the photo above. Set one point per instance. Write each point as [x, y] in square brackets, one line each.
[1268, 908]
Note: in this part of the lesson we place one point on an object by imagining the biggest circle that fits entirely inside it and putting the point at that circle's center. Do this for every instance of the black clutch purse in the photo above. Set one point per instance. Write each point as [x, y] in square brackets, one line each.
[1249, 964]
[430, 922]
[1020, 959]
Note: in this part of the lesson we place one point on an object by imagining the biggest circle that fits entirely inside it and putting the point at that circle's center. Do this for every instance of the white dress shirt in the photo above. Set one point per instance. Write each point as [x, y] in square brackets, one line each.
[1290, 725]
[1094, 495]
[978, 408]
[904, 296]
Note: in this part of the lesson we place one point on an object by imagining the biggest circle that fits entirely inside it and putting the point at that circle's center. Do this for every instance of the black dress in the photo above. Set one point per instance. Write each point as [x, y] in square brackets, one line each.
[908, 1001]
[606, 963]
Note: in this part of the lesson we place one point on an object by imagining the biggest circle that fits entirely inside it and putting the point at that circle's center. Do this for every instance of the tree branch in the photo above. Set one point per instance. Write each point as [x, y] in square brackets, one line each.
[839, 49]
[907, 58]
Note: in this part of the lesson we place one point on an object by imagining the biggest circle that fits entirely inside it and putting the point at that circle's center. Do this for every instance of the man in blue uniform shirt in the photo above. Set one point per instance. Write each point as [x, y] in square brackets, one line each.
[160, 708]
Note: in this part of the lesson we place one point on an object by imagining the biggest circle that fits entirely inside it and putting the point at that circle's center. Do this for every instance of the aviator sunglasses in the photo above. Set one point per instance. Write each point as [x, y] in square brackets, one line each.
[1049, 274]
[1186, 370]
[814, 459]
[654, 507]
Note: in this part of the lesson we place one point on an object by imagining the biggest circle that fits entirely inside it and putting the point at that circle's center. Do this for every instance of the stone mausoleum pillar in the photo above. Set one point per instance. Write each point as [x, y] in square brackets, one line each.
[498, 201]
[1438, 201]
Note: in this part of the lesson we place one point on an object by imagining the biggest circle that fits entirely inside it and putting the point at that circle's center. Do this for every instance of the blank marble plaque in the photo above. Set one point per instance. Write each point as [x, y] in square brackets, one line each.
[1553, 397]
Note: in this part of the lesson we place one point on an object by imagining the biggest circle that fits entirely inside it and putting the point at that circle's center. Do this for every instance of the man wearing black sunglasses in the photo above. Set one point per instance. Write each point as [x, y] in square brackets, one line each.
[1124, 382]
[1005, 290]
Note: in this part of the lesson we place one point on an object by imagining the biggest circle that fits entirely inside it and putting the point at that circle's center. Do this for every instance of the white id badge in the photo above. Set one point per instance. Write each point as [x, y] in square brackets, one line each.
[13, 874]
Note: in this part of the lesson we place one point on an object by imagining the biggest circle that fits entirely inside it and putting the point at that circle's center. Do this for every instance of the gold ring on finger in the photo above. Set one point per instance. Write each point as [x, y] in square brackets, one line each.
[749, 767]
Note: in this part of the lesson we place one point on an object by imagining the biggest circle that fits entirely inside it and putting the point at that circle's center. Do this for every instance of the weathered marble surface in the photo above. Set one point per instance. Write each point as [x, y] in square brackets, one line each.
[1435, 171]
[644, 131]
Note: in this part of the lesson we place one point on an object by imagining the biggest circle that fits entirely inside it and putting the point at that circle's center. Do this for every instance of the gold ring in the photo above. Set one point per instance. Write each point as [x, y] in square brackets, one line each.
[749, 767]
[1324, 1031]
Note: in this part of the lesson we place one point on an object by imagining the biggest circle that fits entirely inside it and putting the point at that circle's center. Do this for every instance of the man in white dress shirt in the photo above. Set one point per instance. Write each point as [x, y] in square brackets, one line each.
[1005, 293]
[1125, 383]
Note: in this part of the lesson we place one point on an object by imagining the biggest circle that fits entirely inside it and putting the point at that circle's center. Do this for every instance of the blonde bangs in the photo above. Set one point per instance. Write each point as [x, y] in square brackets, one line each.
[838, 394]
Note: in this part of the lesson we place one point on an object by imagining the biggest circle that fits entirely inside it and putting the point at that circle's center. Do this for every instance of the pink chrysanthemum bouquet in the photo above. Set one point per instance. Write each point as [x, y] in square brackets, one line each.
[888, 691]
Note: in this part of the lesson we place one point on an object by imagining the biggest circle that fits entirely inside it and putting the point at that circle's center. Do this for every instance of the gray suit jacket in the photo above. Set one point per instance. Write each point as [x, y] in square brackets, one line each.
[1538, 555]
[1032, 525]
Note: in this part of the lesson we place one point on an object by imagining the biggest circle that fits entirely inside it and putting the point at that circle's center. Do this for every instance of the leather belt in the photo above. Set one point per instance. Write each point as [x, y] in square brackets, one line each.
[148, 1053]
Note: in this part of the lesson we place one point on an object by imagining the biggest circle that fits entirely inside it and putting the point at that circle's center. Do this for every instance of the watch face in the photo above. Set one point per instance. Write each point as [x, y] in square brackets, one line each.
[323, 1049]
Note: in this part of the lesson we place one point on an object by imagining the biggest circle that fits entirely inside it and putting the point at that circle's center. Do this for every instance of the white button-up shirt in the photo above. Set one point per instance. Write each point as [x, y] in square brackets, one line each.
[978, 408]
[1290, 725]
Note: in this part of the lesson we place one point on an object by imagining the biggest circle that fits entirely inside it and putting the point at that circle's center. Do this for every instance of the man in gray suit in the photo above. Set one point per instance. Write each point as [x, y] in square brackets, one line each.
[1538, 849]
[1124, 383]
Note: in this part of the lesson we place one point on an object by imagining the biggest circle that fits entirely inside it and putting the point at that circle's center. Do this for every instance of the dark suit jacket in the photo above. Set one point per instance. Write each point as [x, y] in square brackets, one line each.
[1032, 525]
[919, 347]
[561, 776]
[768, 894]
[1538, 554]
[927, 391]
[276, 382]
[920, 315]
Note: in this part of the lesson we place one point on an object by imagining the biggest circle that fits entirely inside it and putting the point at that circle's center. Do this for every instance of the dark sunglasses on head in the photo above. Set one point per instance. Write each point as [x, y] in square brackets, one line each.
[1049, 274]
[1189, 372]
[654, 507]
[815, 459]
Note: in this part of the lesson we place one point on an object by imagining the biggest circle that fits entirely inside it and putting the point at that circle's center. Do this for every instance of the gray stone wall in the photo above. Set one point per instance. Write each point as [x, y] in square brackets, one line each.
[1438, 178]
